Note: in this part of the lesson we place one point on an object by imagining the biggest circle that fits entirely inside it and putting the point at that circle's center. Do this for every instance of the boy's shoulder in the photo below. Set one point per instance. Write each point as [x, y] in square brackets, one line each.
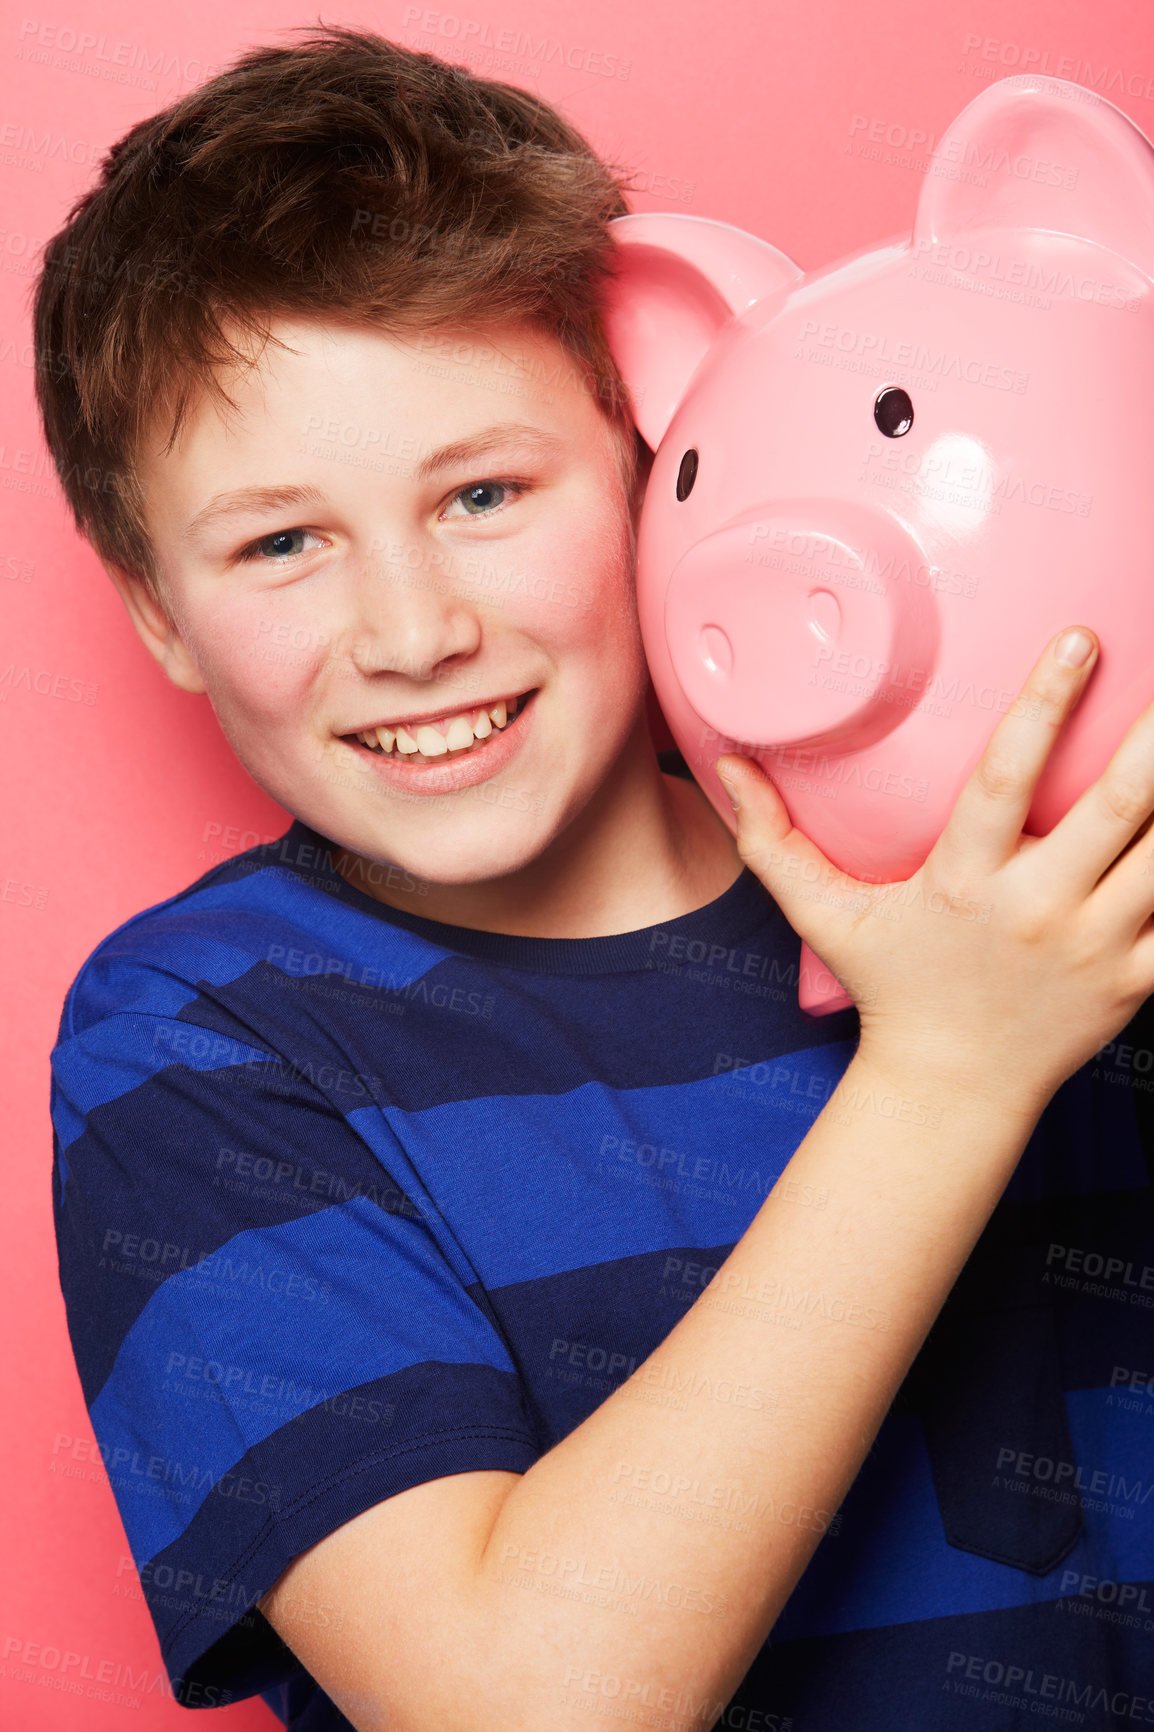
[281, 903]
[178, 939]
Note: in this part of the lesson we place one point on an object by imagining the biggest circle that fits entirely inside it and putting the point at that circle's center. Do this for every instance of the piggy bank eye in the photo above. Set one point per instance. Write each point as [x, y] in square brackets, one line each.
[893, 412]
[687, 475]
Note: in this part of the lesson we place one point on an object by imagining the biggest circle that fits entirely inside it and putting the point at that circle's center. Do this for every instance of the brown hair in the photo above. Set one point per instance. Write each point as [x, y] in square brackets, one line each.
[344, 177]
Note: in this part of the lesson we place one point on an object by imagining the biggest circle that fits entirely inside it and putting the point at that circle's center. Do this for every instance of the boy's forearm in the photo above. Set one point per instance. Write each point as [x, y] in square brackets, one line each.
[657, 1543]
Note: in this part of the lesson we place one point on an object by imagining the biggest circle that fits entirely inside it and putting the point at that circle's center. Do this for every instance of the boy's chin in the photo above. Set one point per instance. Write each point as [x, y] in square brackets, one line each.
[470, 860]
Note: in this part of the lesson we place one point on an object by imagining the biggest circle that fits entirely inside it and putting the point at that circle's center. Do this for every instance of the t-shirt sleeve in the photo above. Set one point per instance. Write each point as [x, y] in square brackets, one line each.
[272, 1333]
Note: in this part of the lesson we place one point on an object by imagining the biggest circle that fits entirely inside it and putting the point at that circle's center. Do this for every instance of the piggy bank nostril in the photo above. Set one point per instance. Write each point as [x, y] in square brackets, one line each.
[716, 651]
[893, 412]
[824, 615]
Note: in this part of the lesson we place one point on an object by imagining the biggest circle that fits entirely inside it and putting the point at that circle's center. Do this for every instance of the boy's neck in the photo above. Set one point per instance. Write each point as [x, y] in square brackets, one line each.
[647, 848]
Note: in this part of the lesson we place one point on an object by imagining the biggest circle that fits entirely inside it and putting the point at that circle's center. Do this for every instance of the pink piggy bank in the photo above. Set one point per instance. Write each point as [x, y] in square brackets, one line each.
[880, 487]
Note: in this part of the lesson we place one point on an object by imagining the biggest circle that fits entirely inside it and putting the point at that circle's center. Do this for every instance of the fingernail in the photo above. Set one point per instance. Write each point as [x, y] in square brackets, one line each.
[728, 786]
[1074, 649]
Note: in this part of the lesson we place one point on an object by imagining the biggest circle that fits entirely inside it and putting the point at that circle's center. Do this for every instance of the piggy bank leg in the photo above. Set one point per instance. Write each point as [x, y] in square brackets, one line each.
[818, 993]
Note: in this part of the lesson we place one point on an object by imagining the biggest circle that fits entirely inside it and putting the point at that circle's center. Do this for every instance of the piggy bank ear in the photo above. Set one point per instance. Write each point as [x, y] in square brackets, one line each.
[679, 279]
[1038, 153]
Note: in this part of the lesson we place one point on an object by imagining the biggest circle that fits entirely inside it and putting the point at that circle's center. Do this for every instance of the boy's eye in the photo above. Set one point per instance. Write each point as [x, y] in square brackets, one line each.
[278, 548]
[481, 498]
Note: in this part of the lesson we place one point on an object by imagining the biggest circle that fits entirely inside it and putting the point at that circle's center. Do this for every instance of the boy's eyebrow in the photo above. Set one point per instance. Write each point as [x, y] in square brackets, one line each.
[249, 499]
[501, 435]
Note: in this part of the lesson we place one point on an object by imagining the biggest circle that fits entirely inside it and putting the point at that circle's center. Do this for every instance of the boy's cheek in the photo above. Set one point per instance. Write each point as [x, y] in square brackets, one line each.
[262, 674]
[265, 642]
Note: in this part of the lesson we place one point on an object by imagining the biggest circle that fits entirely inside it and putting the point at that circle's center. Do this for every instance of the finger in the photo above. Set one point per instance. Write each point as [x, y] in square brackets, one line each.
[1142, 963]
[1123, 896]
[794, 871]
[985, 826]
[1089, 843]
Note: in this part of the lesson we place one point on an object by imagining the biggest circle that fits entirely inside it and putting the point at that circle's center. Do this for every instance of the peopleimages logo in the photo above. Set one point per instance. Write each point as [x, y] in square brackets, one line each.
[1046, 278]
[1112, 1271]
[1024, 57]
[1105, 1591]
[24, 1661]
[936, 363]
[1029, 1688]
[1097, 1482]
[473, 35]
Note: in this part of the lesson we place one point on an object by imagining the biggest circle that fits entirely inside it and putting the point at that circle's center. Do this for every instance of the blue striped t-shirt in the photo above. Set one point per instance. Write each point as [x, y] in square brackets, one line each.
[348, 1199]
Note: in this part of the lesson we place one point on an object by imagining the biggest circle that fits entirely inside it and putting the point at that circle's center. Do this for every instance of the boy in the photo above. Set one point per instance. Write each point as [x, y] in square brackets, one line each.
[455, 1351]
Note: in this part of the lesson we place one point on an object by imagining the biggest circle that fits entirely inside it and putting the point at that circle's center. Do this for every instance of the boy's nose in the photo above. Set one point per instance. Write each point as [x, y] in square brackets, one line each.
[407, 621]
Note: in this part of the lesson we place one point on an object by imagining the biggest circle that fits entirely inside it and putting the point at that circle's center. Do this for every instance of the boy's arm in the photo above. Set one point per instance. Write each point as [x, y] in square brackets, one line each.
[498, 1601]
[490, 1601]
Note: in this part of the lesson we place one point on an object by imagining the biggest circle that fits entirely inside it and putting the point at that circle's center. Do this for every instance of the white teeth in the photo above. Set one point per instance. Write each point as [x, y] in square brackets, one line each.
[431, 743]
[428, 742]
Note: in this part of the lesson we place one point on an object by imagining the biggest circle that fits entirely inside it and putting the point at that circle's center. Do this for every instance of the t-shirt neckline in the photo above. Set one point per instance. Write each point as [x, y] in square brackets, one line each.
[737, 914]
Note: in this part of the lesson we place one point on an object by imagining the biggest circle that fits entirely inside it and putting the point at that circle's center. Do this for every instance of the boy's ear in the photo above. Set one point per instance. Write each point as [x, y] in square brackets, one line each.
[643, 463]
[156, 631]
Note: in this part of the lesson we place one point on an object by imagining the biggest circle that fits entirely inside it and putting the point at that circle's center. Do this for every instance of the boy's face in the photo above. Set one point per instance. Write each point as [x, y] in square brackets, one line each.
[460, 534]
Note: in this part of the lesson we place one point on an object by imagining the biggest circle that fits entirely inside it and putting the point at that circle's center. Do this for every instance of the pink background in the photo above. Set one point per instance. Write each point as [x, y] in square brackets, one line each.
[120, 791]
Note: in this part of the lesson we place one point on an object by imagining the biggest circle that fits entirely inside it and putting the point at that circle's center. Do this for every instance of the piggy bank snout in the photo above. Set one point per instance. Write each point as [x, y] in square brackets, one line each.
[795, 623]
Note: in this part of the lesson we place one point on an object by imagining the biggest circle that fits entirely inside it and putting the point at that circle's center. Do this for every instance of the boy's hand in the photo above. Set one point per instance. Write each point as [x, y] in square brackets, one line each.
[1006, 961]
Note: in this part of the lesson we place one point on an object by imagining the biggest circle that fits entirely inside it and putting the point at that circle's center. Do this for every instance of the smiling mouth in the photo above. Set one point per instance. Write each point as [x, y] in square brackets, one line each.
[452, 736]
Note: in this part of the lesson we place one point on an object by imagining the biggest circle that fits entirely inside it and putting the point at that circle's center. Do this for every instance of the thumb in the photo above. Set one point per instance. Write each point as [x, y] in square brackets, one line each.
[763, 823]
[794, 871]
